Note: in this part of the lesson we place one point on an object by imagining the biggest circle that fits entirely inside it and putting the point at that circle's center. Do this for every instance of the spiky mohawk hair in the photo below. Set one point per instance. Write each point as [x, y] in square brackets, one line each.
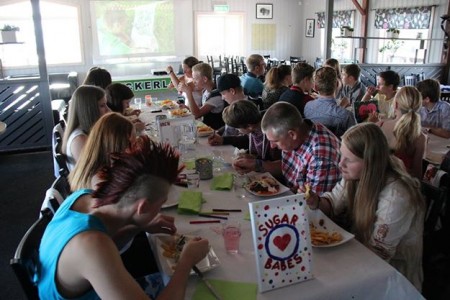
[143, 158]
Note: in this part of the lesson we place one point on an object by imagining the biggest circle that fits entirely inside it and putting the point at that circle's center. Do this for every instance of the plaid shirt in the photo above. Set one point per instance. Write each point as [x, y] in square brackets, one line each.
[315, 162]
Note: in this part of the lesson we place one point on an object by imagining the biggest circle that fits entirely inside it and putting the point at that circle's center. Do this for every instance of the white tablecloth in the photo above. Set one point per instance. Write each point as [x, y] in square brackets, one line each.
[349, 271]
[437, 147]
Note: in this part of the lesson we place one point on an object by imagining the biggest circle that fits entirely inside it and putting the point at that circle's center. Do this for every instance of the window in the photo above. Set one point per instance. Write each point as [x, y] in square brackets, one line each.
[61, 31]
[219, 34]
[413, 23]
[341, 48]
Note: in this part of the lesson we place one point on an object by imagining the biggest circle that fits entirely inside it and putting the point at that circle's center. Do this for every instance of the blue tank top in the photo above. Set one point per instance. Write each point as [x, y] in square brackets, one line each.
[65, 224]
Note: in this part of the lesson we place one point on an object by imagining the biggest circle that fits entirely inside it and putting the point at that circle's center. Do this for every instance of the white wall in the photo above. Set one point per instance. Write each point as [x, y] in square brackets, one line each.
[288, 15]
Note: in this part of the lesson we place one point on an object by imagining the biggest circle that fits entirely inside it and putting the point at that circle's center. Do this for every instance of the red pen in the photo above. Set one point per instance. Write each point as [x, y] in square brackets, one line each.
[204, 222]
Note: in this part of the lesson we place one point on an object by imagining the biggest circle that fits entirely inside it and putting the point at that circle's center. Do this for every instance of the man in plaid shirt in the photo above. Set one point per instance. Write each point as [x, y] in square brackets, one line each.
[310, 151]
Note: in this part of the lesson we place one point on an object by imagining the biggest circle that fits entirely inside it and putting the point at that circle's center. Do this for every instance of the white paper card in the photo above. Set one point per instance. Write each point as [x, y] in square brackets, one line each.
[282, 241]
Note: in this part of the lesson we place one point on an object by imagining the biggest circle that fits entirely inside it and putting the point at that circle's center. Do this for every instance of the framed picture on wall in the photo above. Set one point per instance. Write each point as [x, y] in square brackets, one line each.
[309, 29]
[264, 11]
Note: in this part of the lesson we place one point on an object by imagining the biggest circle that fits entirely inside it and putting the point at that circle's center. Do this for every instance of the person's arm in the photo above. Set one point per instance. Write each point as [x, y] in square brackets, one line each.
[173, 77]
[196, 111]
[93, 257]
[441, 132]
[370, 92]
[245, 165]
[394, 218]
[77, 146]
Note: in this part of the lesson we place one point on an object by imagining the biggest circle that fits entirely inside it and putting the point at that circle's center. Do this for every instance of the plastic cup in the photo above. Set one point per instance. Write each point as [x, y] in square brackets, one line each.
[148, 100]
[193, 180]
[138, 102]
[231, 233]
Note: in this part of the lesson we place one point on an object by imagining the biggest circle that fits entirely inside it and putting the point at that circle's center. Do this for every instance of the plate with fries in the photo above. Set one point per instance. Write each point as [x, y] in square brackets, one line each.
[324, 232]
[168, 249]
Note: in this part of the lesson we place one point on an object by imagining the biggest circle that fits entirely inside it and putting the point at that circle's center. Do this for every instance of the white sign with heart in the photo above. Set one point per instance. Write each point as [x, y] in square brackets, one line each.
[282, 241]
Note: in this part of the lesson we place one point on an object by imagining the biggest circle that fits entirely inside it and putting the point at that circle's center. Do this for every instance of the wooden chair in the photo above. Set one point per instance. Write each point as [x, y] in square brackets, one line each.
[25, 261]
[410, 80]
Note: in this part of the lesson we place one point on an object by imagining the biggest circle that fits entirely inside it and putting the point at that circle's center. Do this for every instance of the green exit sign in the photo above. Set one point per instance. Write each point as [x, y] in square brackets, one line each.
[221, 8]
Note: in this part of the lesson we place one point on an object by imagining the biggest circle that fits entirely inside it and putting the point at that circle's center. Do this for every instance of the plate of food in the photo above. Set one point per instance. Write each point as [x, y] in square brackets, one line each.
[168, 104]
[324, 232]
[179, 112]
[264, 185]
[204, 130]
[168, 249]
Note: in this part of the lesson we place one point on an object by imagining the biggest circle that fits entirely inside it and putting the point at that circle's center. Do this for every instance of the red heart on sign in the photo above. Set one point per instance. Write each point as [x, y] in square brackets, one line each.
[282, 241]
[364, 110]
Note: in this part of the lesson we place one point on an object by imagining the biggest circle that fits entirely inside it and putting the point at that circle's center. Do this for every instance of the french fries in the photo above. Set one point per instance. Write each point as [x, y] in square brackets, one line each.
[307, 191]
[319, 237]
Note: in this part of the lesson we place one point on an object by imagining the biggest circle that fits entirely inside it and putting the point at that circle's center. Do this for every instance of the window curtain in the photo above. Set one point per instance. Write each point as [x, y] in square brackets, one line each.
[403, 18]
[340, 18]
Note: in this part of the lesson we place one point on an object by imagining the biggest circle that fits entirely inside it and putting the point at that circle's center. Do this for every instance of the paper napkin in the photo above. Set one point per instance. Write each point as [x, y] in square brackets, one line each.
[190, 202]
[228, 290]
[222, 182]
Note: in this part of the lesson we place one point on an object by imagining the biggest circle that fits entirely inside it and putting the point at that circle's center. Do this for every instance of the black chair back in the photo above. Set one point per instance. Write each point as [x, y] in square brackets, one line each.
[59, 158]
[25, 261]
[56, 194]
[435, 198]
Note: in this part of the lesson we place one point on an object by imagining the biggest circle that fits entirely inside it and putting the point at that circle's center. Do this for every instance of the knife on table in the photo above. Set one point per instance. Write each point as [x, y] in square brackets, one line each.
[206, 282]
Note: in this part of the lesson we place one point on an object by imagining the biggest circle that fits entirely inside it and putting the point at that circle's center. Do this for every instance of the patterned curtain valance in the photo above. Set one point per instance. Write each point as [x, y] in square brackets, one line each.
[403, 18]
[340, 18]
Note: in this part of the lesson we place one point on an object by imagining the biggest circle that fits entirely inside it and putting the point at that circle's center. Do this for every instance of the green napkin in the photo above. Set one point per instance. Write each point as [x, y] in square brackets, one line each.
[222, 182]
[227, 290]
[247, 216]
[190, 202]
[189, 164]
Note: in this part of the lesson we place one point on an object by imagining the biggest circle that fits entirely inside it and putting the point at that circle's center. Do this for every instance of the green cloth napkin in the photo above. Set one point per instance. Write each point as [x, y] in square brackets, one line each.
[189, 164]
[222, 182]
[190, 202]
[228, 290]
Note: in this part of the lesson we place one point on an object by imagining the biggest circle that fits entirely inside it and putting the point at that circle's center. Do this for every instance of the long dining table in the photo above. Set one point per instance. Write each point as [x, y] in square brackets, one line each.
[347, 271]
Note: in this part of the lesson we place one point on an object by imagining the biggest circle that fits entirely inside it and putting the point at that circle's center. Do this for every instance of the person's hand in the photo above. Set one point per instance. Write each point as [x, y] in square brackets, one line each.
[161, 224]
[312, 199]
[138, 125]
[373, 117]
[215, 140]
[194, 251]
[132, 112]
[344, 102]
[244, 165]
[371, 90]
[169, 69]
[185, 88]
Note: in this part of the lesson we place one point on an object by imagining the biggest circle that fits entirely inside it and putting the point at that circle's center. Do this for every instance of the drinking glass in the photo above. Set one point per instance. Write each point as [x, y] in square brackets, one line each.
[218, 160]
[138, 103]
[187, 139]
[239, 182]
[231, 232]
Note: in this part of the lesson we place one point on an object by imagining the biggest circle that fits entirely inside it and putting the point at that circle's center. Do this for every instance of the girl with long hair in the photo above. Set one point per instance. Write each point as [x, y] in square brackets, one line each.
[379, 199]
[278, 80]
[113, 133]
[404, 133]
[87, 105]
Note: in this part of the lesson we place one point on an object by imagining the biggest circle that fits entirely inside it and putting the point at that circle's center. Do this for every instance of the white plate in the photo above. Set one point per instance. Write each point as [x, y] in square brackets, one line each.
[172, 197]
[167, 265]
[322, 222]
[252, 176]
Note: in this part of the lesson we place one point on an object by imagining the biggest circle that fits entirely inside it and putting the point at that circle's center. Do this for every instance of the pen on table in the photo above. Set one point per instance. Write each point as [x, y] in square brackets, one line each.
[211, 216]
[204, 222]
[226, 213]
[215, 210]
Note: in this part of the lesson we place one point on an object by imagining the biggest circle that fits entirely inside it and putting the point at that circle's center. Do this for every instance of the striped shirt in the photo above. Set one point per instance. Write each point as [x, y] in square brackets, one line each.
[315, 162]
